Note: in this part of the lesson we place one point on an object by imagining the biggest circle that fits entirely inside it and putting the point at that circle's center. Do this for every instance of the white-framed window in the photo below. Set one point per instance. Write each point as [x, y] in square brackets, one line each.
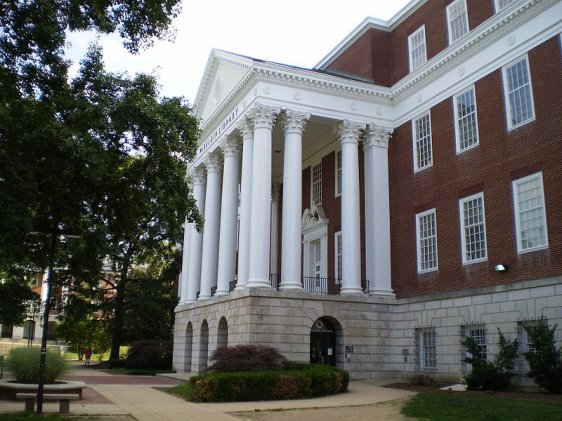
[473, 228]
[457, 19]
[478, 333]
[416, 48]
[518, 93]
[502, 4]
[317, 184]
[530, 214]
[339, 255]
[525, 344]
[338, 173]
[466, 122]
[421, 131]
[426, 234]
[427, 348]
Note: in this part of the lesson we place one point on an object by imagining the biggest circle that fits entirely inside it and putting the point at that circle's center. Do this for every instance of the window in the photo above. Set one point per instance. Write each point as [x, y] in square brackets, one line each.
[338, 173]
[7, 331]
[426, 234]
[338, 241]
[502, 4]
[317, 184]
[478, 332]
[525, 344]
[530, 216]
[466, 124]
[457, 18]
[423, 155]
[427, 348]
[416, 46]
[518, 93]
[473, 228]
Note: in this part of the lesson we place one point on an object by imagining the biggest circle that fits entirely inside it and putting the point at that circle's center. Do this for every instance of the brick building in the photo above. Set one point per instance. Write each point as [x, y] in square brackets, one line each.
[374, 210]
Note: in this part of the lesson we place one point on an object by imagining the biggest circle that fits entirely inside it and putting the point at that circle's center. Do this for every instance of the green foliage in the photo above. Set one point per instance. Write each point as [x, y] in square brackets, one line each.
[27, 416]
[247, 358]
[487, 375]
[422, 380]
[15, 297]
[149, 354]
[23, 363]
[447, 406]
[312, 381]
[83, 333]
[545, 359]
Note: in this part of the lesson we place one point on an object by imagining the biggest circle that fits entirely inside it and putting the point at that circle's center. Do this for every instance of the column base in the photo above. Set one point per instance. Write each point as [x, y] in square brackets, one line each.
[284, 286]
[221, 293]
[258, 283]
[351, 291]
[383, 292]
[203, 297]
[239, 287]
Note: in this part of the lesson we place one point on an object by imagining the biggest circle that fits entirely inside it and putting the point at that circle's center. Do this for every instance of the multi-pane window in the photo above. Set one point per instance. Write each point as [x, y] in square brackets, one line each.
[530, 215]
[339, 248]
[338, 173]
[466, 124]
[525, 344]
[502, 4]
[473, 228]
[426, 232]
[478, 333]
[416, 46]
[518, 93]
[427, 348]
[423, 154]
[457, 18]
[317, 184]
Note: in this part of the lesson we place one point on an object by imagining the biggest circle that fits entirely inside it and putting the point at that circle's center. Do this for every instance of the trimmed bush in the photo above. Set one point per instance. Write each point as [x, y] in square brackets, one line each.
[23, 363]
[545, 360]
[151, 355]
[247, 358]
[306, 381]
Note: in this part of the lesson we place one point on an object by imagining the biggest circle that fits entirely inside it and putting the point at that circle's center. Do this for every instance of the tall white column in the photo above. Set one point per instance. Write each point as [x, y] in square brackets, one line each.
[182, 287]
[260, 231]
[273, 254]
[377, 224]
[196, 239]
[350, 218]
[209, 260]
[291, 237]
[247, 130]
[229, 215]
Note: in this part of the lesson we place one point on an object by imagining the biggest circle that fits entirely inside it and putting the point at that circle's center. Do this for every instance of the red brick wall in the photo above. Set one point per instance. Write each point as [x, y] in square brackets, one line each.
[500, 158]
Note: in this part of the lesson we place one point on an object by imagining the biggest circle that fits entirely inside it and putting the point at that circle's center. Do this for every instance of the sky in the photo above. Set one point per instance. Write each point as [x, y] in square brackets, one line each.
[294, 32]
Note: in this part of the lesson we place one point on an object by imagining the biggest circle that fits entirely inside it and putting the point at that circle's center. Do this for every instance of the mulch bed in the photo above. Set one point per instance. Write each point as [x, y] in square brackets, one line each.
[511, 394]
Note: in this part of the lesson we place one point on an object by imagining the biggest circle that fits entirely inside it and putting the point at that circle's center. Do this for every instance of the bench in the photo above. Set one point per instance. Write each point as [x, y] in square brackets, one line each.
[63, 398]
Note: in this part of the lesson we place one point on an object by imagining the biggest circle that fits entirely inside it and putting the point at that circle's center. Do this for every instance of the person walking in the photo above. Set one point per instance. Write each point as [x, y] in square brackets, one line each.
[87, 356]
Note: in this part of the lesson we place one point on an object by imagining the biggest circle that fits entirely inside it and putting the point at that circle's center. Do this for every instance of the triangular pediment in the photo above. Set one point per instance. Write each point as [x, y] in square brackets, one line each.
[222, 75]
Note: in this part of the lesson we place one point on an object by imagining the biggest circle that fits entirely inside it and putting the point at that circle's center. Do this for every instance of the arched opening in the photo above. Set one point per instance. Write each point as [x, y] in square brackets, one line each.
[222, 334]
[188, 348]
[203, 346]
[323, 342]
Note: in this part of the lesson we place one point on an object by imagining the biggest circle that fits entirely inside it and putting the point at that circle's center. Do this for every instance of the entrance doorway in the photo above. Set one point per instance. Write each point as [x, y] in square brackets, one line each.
[323, 342]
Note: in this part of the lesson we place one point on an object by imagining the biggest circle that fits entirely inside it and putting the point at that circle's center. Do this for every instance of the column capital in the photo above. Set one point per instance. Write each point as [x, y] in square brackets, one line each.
[376, 135]
[230, 146]
[294, 121]
[213, 162]
[197, 176]
[350, 131]
[263, 116]
[246, 128]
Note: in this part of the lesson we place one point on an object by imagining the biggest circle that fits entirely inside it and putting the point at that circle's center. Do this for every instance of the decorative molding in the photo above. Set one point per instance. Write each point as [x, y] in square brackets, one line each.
[376, 135]
[246, 128]
[230, 146]
[197, 176]
[313, 218]
[213, 162]
[350, 131]
[263, 116]
[294, 121]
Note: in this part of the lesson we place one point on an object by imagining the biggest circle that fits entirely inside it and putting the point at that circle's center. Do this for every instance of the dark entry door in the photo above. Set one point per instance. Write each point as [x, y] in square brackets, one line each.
[323, 343]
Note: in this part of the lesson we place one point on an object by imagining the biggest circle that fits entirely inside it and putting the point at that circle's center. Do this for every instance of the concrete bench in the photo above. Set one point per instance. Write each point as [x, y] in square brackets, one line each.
[63, 398]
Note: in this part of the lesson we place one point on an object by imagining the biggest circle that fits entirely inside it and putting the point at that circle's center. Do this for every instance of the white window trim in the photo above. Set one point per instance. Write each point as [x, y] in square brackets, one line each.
[450, 31]
[463, 237]
[410, 37]
[312, 166]
[421, 349]
[414, 141]
[338, 186]
[337, 237]
[418, 248]
[515, 183]
[457, 128]
[510, 125]
[497, 5]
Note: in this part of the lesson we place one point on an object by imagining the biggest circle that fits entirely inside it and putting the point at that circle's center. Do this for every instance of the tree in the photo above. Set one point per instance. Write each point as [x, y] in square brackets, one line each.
[102, 156]
[79, 334]
[15, 298]
[544, 359]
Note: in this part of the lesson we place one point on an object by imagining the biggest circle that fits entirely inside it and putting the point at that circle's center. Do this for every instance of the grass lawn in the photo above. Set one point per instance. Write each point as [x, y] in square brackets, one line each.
[184, 391]
[32, 417]
[439, 406]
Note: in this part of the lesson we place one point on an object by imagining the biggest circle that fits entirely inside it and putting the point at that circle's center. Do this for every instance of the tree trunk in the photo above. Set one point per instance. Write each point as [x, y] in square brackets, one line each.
[117, 336]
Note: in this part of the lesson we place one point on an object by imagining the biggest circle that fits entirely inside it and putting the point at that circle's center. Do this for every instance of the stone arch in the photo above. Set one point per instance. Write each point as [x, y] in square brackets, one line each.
[188, 347]
[203, 346]
[326, 341]
[222, 333]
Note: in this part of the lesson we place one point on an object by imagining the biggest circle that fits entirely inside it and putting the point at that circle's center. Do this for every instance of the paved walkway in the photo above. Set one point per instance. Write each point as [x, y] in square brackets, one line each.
[140, 397]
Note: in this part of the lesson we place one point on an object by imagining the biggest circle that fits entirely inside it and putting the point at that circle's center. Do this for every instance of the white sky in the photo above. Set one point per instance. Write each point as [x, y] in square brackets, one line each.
[294, 32]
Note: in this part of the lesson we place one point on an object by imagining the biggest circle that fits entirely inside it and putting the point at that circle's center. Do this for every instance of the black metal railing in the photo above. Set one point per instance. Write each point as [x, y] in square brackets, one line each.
[323, 286]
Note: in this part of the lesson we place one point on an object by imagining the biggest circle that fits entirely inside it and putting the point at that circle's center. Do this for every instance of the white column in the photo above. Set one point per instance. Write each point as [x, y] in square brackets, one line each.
[350, 217]
[182, 287]
[209, 260]
[273, 269]
[377, 211]
[247, 130]
[291, 237]
[229, 215]
[196, 239]
[260, 231]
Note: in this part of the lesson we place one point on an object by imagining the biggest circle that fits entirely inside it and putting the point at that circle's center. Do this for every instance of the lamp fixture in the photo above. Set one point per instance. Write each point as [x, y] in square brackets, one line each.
[500, 267]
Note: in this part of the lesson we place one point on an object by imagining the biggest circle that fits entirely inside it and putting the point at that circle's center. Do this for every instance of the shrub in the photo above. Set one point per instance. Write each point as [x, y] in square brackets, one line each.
[148, 354]
[487, 375]
[545, 360]
[23, 363]
[247, 358]
[422, 380]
